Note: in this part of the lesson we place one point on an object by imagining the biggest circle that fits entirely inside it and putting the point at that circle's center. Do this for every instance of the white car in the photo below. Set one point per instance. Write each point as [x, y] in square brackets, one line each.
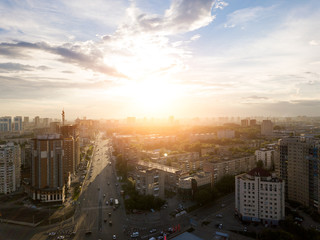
[114, 236]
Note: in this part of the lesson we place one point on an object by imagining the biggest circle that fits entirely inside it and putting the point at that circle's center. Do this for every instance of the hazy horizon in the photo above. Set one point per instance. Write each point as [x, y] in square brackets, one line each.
[186, 58]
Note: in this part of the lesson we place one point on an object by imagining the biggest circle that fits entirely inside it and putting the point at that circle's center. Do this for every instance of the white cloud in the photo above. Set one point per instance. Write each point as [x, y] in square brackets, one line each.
[314, 43]
[244, 16]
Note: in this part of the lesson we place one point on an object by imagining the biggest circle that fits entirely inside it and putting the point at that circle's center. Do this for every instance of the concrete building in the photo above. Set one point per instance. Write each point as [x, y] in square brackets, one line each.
[266, 128]
[190, 184]
[10, 168]
[225, 133]
[202, 137]
[37, 121]
[253, 122]
[260, 197]
[150, 182]
[171, 175]
[266, 156]
[68, 132]
[47, 181]
[220, 167]
[17, 124]
[5, 124]
[244, 122]
[298, 162]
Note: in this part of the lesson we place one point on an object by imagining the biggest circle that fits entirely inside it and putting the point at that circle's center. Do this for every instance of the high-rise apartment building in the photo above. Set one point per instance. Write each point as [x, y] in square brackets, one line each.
[17, 124]
[37, 121]
[48, 176]
[5, 124]
[260, 197]
[10, 164]
[72, 131]
[266, 128]
[299, 164]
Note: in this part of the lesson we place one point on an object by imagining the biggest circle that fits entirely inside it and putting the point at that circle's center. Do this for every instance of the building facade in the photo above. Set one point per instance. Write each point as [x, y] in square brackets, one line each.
[260, 197]
[17, 124]
[10, 168]
[47, 178]
[299, 165]
[5, 124]
[266, 156]
[266, 128]
[150, 182]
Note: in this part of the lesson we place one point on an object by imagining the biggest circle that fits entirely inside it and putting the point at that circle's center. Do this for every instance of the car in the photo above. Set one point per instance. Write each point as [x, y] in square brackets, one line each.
[104, 195]
[105, 220]
[60, 237]
[220, 226]
[135, 234]
[219, 216]
[114, 236]
[110, 222]
[52, 233]
[153, 230]
[107, 203]
[109, 214]
[108, 183]
[160, 237]
[88, 232]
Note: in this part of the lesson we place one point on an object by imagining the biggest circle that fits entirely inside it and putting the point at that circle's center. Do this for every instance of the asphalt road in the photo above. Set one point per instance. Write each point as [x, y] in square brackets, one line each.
[92, 211]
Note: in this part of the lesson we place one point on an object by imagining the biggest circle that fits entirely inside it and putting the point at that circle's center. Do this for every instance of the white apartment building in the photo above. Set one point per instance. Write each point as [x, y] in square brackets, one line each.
[17, 124]
[266, 156]
[260, 197]
[10, 164]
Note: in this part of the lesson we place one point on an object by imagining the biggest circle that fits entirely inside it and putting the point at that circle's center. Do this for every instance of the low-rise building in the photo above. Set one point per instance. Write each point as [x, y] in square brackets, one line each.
[190, 184]
[266, 155]
[260, 197]
[220, 167]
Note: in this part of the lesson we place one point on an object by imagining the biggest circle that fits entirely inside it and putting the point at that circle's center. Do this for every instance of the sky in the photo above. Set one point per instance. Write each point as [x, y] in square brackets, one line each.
[187, 58]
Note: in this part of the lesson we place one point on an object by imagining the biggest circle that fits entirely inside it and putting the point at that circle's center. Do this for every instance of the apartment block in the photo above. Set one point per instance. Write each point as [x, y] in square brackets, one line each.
[190, 184]
[222, 166]
[298, 163]
[260, 197]
[68, 132]
[10, 168]
[17, 124]
[225, 133]
[150, 182]
[47, 181]
[5, 124]
[266, 128]
[266, 156]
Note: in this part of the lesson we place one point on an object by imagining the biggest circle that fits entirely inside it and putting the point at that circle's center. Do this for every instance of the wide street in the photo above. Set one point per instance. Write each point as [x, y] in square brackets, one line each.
[92, 215]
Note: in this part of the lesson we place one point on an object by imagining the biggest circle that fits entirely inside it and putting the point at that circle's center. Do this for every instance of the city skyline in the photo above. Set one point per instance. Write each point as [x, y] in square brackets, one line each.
[113, 59]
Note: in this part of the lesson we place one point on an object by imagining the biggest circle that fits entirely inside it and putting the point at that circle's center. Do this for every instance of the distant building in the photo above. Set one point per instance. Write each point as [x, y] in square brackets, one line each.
[202, 137]
[10, 168]
[225, 133]
[299, 163]
[5, 124]
[260, 197]
[17, 124]
[131, 120]
[266, 128]
[37, 121]
[25, 119]
[253, 122]
[244, 122]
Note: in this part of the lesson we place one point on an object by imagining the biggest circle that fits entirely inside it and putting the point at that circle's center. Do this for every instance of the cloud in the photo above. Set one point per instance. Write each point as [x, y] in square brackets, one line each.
[245, 15]
[17, 67]
[182, 16]
[255, 97]
[85, 54]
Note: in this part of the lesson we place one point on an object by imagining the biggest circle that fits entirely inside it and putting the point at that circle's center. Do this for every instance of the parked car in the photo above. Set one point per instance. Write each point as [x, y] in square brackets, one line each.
[219, 216]
[153, 230]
